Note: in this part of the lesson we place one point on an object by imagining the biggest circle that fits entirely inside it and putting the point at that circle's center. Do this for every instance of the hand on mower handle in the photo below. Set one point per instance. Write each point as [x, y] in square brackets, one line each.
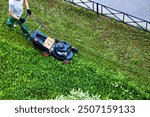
[29, 11]
[22, 20]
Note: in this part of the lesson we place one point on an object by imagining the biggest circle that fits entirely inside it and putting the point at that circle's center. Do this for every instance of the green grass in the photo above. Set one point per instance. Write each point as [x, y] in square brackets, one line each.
[112, 63]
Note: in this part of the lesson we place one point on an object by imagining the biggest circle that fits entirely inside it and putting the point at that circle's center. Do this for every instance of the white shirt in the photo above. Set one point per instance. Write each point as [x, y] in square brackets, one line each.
[16, 6]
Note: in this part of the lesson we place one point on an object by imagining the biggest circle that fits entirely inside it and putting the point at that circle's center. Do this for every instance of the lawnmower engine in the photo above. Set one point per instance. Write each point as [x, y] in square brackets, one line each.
[59, 49]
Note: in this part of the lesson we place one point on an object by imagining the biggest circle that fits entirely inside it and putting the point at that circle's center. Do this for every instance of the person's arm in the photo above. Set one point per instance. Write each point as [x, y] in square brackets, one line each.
[27, 7]
[14, 16]
[26, 4]
[21, 20]
[11, 7]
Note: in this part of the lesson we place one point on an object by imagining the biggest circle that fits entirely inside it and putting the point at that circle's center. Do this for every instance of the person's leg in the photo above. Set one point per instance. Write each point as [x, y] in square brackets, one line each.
[10, 21]
[24, 29]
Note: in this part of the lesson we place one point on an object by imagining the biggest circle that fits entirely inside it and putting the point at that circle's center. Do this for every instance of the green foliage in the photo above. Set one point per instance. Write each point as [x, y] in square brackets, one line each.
[112, 63]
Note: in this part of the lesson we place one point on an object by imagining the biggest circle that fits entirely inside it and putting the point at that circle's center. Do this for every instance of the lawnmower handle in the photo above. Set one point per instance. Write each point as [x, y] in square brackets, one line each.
[27, 15]
[45, 27]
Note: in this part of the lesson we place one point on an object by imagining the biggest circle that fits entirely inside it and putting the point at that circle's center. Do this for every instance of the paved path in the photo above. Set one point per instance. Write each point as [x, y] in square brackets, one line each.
[138, 8]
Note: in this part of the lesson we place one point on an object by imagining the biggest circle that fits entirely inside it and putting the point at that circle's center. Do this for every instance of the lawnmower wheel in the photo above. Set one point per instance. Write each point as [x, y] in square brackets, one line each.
[66, 62]
[75, 50]
[45, 54]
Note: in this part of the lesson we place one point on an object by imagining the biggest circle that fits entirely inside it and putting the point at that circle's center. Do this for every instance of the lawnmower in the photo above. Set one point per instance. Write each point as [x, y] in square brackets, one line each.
[60, 50]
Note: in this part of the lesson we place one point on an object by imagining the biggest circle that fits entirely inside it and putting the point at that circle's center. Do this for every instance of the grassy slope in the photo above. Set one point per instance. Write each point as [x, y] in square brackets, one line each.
[113, 59]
